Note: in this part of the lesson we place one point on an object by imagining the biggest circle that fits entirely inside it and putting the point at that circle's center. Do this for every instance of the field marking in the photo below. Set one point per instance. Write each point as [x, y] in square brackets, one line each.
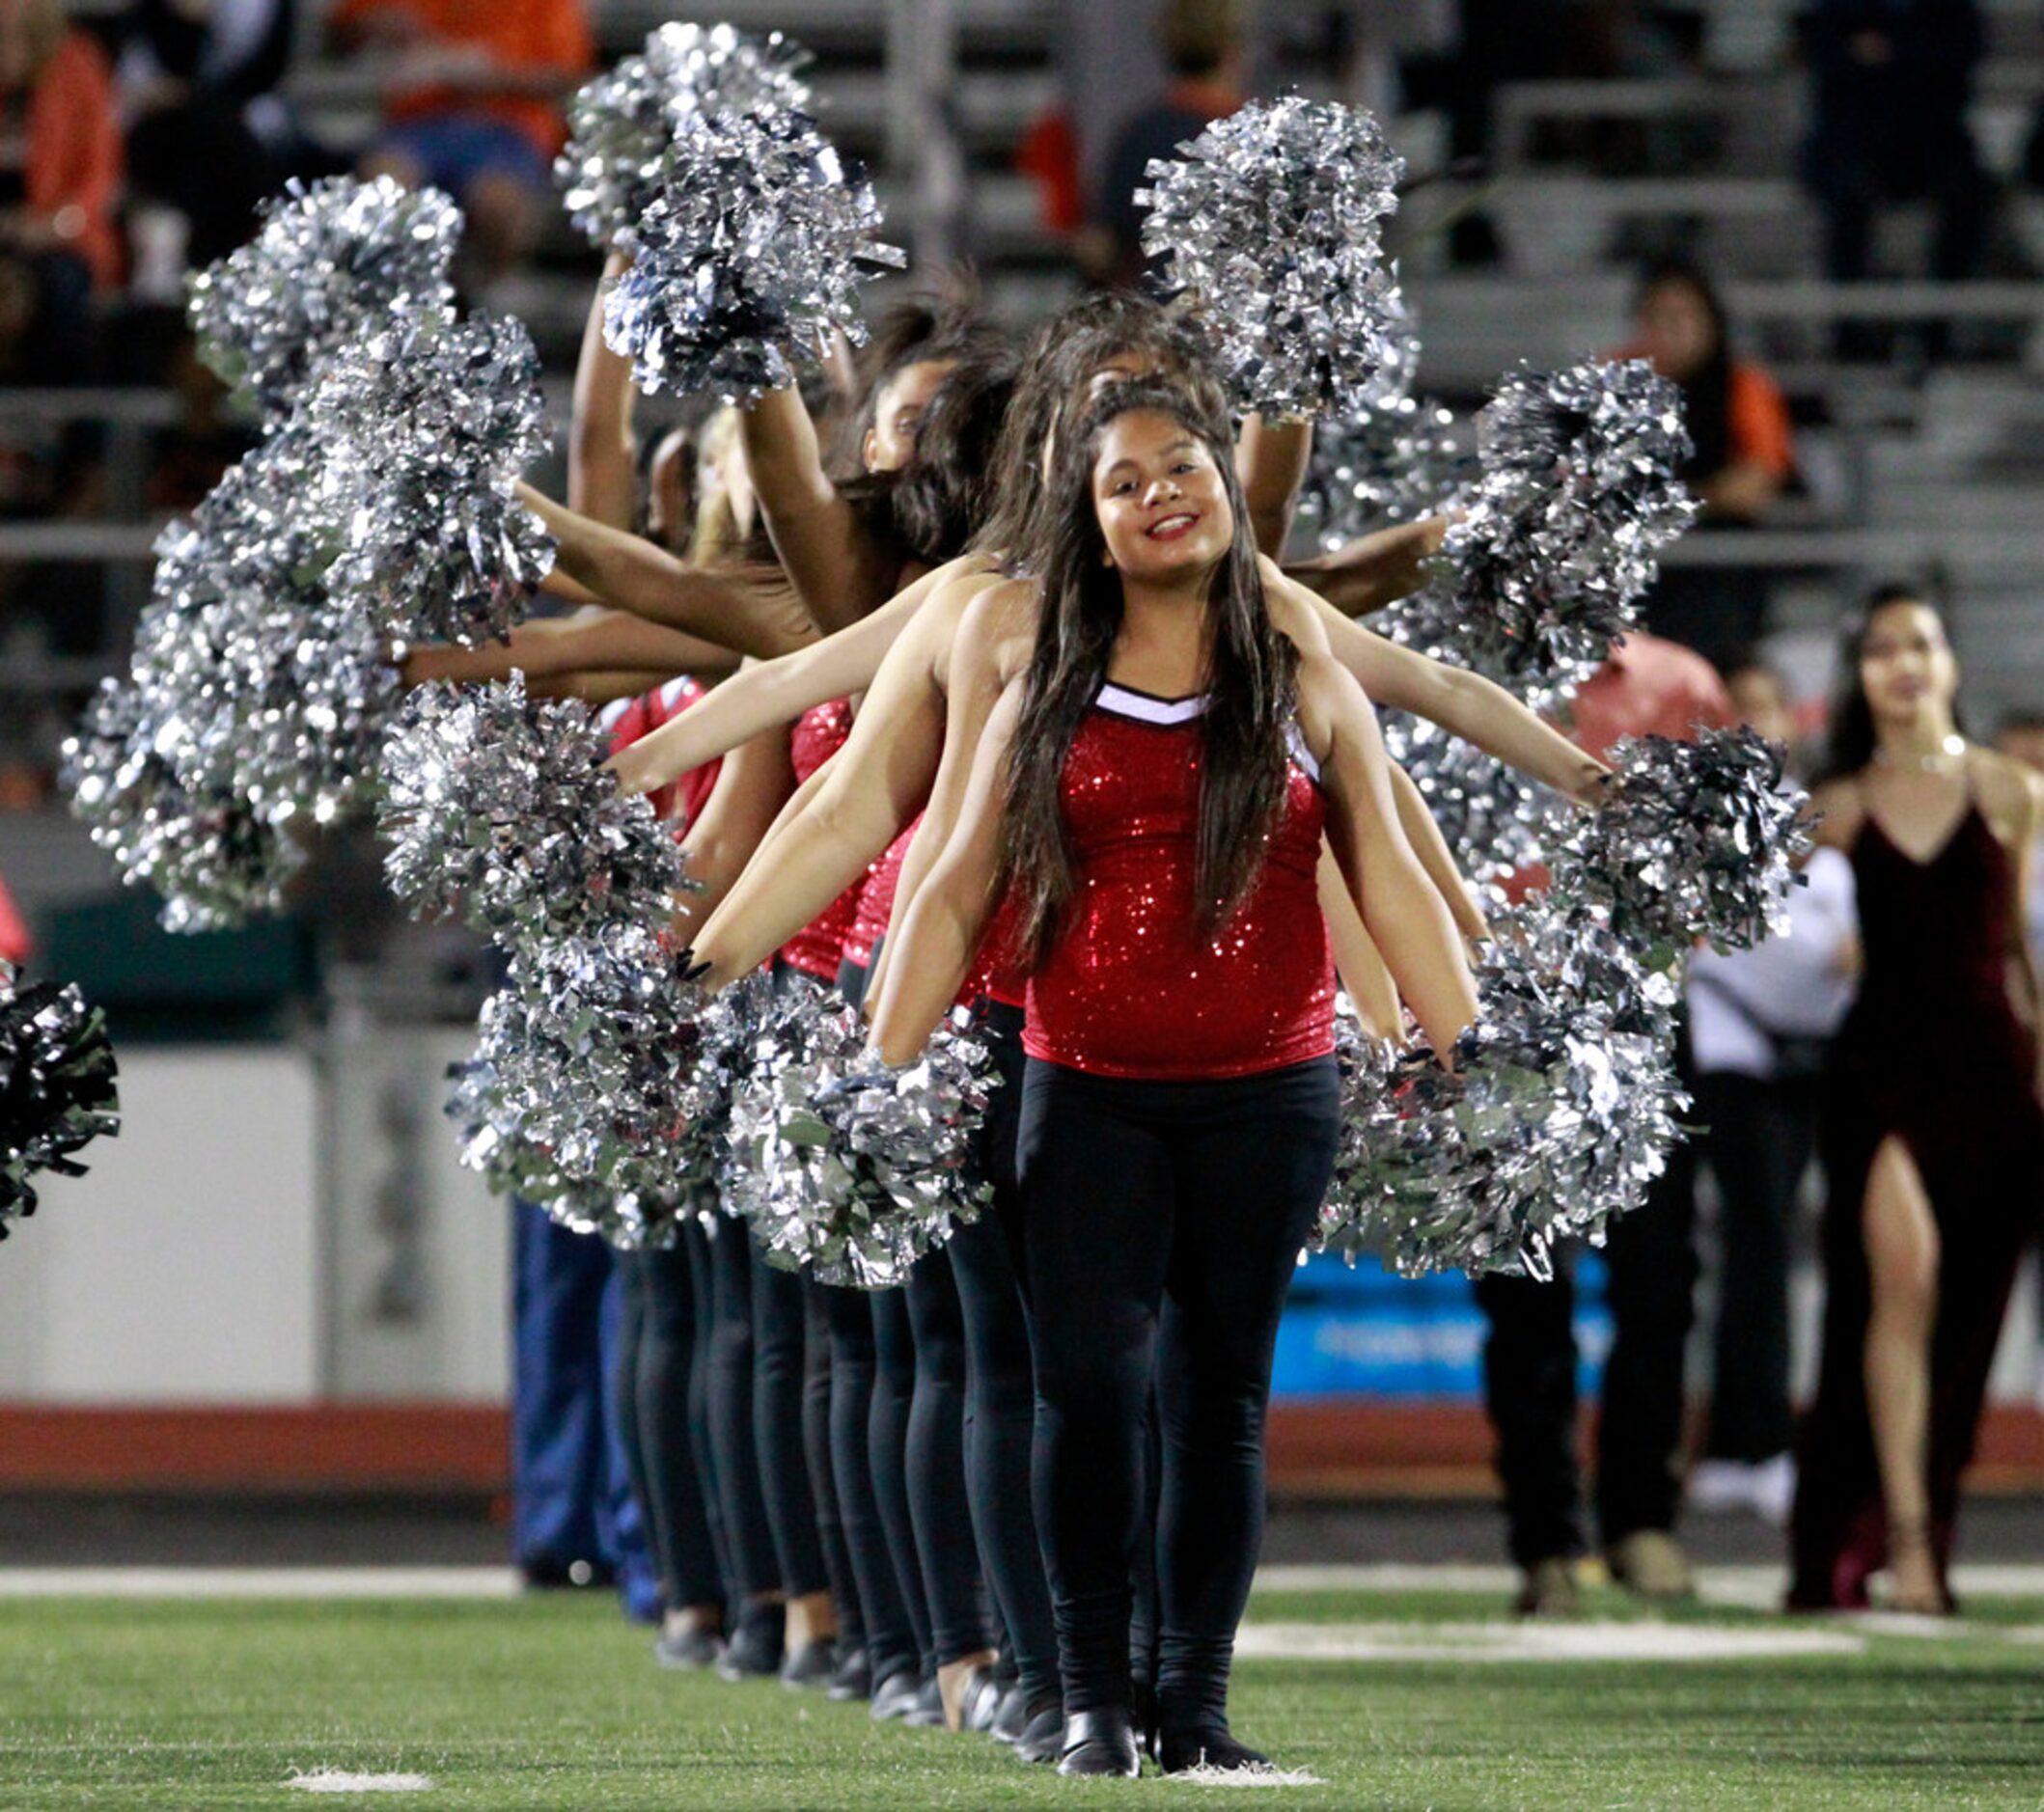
[1264, 1776]
[1753, 1587]
[1531, 1641]
[338, 1781]
[368, 1582]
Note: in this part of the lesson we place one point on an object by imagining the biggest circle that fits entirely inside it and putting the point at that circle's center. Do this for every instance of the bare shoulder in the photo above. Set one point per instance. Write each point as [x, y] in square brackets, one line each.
[1329, 701]
[1295, 608]
[2010, 793]
[998, 627]
[1836, 806]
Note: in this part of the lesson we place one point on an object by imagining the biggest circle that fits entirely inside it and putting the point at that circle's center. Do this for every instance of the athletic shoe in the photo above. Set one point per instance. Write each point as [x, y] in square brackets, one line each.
[1766, 1488]
[1651, 1564]
[754, 1651]
[1042, 1738]
[1011, 1718]
[1549, 1590]
[980, 1701]
[810, 1665]
[1209, 1746]
[1101, 1743]
[853, 1676]
[689, 1649]
[896, 1695]
[928, 1711]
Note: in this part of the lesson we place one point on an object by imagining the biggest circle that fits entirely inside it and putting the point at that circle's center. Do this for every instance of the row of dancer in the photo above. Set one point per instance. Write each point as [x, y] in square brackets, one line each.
[948, 1496]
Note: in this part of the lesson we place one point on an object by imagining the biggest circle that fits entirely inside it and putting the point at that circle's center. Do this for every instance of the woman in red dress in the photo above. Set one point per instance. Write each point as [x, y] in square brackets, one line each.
[1934, 1143]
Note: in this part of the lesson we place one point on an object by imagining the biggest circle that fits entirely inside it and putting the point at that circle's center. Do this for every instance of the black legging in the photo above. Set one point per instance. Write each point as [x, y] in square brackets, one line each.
[701, 1288]
[780, 1381]
[817, 1450]
[1162, 1223]
[1000, 1382]
[755, 1565]
[939, 1506]
[887, 1454]
[655, 1384]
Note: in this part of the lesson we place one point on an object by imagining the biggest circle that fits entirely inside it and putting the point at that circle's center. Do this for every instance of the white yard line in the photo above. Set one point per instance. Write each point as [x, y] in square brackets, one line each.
[259, 1582]
[1519, 1640]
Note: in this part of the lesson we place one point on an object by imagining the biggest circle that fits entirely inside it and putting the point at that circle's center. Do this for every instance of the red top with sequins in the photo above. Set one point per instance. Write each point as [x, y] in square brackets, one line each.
[876, 899]
[629, 718]
[1131, 987]
[819, 948]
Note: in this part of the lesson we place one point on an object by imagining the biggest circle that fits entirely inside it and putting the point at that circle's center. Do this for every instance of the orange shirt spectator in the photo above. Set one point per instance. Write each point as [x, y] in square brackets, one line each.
[61, 141]
[14, 941]
[540, 46]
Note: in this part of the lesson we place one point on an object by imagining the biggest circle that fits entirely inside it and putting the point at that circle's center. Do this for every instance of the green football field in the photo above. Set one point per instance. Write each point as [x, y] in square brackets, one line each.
[1396, 1700]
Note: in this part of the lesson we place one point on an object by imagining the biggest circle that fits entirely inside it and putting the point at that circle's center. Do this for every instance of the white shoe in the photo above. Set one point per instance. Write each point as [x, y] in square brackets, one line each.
[1763, 1487]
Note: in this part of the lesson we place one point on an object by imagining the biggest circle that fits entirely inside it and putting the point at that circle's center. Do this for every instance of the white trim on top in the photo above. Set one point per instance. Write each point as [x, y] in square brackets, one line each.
[1147, 709]
[671, 692]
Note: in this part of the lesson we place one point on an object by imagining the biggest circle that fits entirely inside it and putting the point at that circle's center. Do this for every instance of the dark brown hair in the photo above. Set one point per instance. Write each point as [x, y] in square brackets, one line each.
[1252, 671]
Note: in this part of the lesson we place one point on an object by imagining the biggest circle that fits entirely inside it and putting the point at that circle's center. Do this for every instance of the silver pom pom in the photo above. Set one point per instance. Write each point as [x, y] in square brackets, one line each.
[1559, 538]
[501, 804]
[1698, 839]
[1559, 1115]
[211, 858]
[333, 262]
[435, 423]
[588, 1050]
[746, 258]
[704, 1165]
[57, 1088]
[1273, 218]
[621, 124]
[1495, 819]
[804, 1038]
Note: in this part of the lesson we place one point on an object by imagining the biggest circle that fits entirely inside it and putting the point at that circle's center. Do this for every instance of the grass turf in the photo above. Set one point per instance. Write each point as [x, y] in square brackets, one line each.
[555, 1703]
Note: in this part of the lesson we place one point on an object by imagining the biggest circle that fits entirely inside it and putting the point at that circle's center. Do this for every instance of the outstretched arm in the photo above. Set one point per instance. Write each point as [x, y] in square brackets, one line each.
[1424, 834]
[603, 457]
[1358, 962]
[1373, 571]
[649, 582]
[837, 571]
[774, 692]
[945, 924]
[558, 648]
[868, 790]
[1402, 909]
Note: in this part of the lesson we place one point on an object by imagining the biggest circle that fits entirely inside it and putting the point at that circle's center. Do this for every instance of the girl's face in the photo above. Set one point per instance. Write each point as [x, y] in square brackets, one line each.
[669, 506]
[1906, 665]
[1125, 368]
[897, 413]
[1160, 499]
[1677, 331]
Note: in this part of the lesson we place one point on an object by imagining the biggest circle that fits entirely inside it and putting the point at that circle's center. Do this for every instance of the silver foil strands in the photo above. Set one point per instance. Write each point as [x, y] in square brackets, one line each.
[500, 805]
[587, 1052]
[705, 1167]
[1495, 819]
[333, 261]
[57, 1087]
[211, 858]
[1560, 534]
[621, 124]
[434, 423]
[1274, 218]
[747, 257]
[1696, 840]
[1559, 1116]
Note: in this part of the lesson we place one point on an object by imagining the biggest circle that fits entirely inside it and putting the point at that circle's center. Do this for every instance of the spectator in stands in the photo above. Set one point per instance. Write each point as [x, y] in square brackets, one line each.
[472, 106]
[1744, 456]
[210, 133]
[60, 177]
[1205, 44]
[1761, 1025]
[1889, 83]
[1648, 687]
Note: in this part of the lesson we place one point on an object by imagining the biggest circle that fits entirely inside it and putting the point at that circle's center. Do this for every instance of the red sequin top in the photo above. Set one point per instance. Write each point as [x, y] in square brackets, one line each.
[998, 971]
[876, 899]
[819, 948]
[1131, 987]
[629, 718]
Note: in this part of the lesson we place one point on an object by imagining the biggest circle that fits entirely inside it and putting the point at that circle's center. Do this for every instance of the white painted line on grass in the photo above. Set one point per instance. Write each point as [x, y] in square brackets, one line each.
[336, 1780]
[375, 1583]
[1528, 1641]
[1758, 1587]
[1264, 1776]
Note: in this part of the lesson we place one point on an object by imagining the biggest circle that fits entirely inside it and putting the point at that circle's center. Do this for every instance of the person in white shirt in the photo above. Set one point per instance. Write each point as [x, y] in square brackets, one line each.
[1759, 1023]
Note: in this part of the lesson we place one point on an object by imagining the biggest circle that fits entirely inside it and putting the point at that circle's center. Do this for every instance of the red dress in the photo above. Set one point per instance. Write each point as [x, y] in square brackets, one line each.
[1933, 1054]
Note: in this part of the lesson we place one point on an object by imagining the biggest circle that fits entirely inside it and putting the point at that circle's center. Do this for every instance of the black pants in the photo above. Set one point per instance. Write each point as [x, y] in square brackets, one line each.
[891, 1643]
[701, 1284]
[893, 1399]
[816, 1388]
[1000, 1380]
[780, 1383]
[1530, 1380]
[1760, 1140]
[656, 1388]
[1162, 1223]
[939, 1508]
[754, 1564]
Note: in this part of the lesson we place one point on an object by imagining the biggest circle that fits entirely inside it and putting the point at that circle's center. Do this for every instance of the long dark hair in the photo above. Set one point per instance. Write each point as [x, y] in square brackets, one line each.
[1252, 673]
[1706, 392]
[1852, 739]
[1056, 369]
[943, 494]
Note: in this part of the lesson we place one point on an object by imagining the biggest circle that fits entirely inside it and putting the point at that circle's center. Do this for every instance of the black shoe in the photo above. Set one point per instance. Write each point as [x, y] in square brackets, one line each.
[896, 1696]
[1042, 1738]
[1208, 1746]
[689, 1649]
[1011, 1718]
[928, 1711]
[853, 1676]
[1100, 1742]
[980, 1701]
[810, 1666]
[754, 1651]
